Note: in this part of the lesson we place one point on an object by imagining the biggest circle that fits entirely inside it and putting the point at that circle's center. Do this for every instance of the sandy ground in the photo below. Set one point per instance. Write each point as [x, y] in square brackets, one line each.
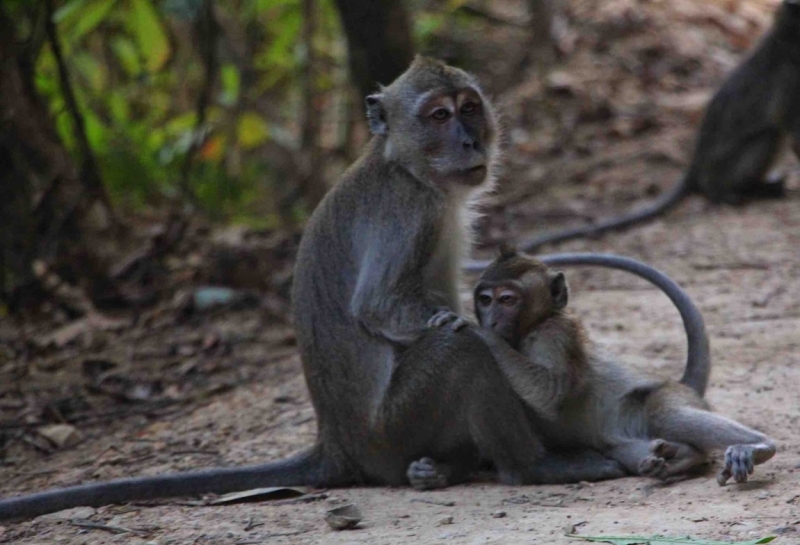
[745, 281]
[739, 264]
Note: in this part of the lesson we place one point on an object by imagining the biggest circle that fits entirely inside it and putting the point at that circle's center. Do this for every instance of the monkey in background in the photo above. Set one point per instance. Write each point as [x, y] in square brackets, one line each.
[654, 428]
[748, 121]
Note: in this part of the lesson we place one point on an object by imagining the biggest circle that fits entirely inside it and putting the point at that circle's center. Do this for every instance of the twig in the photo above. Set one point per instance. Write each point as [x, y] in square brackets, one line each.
[734, 266]
[280, 534]
[196, 451]
[252, 524]
[88, 524]
[434, 502]
[493, 18]
[90, 174]
[207, 36]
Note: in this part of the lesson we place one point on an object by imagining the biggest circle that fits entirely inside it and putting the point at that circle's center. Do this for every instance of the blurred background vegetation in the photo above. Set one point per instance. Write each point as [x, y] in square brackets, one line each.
[119, 113]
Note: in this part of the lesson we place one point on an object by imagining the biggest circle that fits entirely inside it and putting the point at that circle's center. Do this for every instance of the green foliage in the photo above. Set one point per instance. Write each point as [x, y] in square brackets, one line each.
[137, 70]
[664, 540]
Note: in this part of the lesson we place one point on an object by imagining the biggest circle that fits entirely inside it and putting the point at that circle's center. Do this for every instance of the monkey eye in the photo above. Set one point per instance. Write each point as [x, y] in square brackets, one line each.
[441, 114]
[469, 108]
[484, 299]
[507, 300]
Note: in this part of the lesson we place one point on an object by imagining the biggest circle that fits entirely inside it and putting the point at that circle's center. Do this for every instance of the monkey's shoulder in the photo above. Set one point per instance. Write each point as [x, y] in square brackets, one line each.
[382, 189]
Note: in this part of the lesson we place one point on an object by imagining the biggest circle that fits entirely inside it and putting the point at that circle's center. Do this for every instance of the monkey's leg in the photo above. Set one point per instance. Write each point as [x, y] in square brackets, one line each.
[706, 431]
[629, 452]
[739, 173]
[667, 459]
[576, 466]
[428, 427]
[446, 392]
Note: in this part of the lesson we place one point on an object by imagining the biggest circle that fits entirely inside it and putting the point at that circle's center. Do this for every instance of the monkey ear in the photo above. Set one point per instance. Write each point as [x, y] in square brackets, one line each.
[507, 251]
[559, 290]
[376, 115]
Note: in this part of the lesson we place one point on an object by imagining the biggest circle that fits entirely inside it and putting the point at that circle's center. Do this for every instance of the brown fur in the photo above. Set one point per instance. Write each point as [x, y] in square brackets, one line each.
[655, 428]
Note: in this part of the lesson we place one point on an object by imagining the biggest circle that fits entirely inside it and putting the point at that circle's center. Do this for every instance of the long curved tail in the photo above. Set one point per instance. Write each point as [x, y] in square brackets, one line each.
[665, 202]
[305, 468]
[698, 359]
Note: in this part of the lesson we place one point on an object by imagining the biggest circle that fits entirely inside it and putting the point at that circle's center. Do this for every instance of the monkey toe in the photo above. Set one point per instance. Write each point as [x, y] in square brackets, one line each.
[739, 462]
[651, 466]
[425, 474]
[723, 477]
[663, 449]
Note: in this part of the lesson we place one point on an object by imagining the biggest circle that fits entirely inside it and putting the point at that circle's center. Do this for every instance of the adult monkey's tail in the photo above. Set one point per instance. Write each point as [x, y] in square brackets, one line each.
[305, 468]
[663, 203]
[698, 359]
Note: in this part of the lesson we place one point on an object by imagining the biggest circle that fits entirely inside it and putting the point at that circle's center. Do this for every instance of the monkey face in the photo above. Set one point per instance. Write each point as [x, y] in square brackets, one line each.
[499, 308]
[454, 132]
[437, 124]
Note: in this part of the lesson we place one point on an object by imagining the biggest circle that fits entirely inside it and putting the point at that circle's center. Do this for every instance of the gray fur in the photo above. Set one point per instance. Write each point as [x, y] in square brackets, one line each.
[660, 429]
[379, 259]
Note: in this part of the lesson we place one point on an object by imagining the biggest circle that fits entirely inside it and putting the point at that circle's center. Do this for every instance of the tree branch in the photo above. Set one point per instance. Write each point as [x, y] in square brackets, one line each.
[207, 36]
[90, 174]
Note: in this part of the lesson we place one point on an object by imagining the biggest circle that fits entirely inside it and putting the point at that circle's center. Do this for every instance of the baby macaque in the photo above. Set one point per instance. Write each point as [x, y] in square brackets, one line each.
[579, 399]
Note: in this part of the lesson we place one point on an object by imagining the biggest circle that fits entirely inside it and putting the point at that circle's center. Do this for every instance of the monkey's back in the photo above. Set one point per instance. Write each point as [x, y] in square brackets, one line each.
[346, 367]
[753, 105]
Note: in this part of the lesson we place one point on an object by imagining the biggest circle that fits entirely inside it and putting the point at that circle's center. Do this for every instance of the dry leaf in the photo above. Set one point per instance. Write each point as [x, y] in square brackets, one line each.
[260, 494]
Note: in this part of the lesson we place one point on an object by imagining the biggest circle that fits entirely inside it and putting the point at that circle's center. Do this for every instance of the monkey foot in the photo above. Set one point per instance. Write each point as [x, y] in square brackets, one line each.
[425, 474]
[651, 466]
[739, 463]
[667, 459]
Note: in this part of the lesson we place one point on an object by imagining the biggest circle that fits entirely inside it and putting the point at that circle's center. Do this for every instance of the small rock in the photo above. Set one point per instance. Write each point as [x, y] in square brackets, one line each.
[68, 514]
[499, 514]
[444, 521]
[344, 517]
[61, 435]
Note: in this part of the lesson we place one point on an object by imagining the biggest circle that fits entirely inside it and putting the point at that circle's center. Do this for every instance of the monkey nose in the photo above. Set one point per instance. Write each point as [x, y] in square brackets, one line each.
[470, 144]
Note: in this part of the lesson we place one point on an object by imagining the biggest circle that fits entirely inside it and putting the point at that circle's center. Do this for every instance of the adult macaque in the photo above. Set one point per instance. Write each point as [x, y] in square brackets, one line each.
[655, 428]
[398, 397]
[753, 114]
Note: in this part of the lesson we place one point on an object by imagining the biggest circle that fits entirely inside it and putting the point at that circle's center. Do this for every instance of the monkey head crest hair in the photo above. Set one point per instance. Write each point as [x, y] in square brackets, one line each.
[511, 263]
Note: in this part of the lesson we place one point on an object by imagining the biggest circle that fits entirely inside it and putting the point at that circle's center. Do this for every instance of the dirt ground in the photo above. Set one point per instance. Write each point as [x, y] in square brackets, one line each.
[627, 136]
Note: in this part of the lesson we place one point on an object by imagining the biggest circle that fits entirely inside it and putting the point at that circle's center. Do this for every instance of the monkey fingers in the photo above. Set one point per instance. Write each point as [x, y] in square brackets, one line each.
[444, 317]
[426, 474]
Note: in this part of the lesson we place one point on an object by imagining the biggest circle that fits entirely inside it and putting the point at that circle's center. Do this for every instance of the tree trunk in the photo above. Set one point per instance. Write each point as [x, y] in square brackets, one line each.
[378, 40]
[48, 213]
[312, 184]
[542, 46]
